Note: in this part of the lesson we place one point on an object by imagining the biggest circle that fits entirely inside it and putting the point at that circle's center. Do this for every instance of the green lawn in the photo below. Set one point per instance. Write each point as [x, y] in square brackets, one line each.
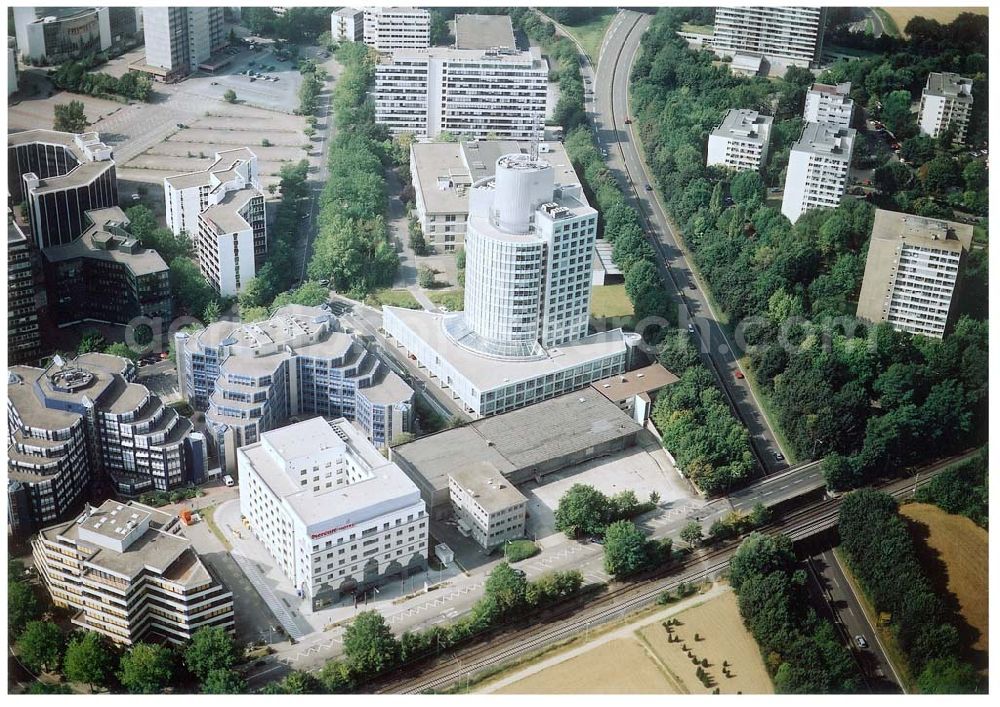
[590, 34]
[393, 298]
[454, 300]
[890, 25]
[698, 29]
[517, 550]
[610, 301]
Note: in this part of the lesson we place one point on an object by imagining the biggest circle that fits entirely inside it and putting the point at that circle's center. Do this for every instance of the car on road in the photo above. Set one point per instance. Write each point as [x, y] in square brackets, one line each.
[628, 121]
[690, 328]
[324, 282]
[519, 573]
[691, 286]
[862, 643]
[181, 125]
[739, 375]
[215, 83]
[604, 152]
[778, 456]
[649, 187]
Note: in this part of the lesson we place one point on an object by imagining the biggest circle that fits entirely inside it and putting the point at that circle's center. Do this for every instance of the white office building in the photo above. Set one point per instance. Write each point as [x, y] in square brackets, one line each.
[782, 35]
[392, 28]
[523, 335]
[741, 140]
[470, 93]
[818, 166]
[829, 104]
[334, 514]
[946, 102]
[180, 39]
[487, 506]
[222, 210]
[129, 574]
[912, 272]
[347, 25]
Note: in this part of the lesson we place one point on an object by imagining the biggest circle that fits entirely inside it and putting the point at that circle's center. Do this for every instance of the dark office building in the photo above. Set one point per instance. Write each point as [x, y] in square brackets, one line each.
[24, 295]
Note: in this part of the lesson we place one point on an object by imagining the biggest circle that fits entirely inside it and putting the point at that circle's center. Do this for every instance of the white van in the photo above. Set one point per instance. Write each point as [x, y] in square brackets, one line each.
[228, 480]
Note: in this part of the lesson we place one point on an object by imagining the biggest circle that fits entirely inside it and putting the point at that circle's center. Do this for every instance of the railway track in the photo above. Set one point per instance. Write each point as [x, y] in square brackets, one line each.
[799, 525]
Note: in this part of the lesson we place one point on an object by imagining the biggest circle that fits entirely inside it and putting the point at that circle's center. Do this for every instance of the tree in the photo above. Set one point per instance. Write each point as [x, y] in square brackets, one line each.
[336, 676]
[89, 659]
[212, 312]
[229, 96]
[747, 188]
[425, 277]
[146, 669]
[692, 533]
[22, 605]
[92, 341]
[506, 587]
[298, 682]
[121, 349]
[40, 646]
[369, 645]
[624, 549]
[947, 676]
[941, 174]
[896, 114]
[69, 117]
[44, 688]
[220, 681]
[211, 648]
[582, 510]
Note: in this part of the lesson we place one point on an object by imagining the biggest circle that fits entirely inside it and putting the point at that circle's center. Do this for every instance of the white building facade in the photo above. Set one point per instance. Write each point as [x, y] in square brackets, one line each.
[335, 515]
[347, 25]
[741, 141]
[792, 35]
[818, 167]
[946, 102]
[179, 39]
[829, 104]
[222, 210]
[392, 28]
[470, 93]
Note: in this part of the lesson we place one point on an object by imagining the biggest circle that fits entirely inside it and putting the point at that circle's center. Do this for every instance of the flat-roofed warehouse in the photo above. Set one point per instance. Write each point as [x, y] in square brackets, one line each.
[524, 444]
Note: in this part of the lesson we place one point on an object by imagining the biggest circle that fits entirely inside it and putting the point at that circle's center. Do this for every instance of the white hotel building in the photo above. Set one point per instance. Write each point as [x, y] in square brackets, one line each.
[335, 515]
[523, 335]
[130, 575]
[946, 102]
[818, 166]
[741, 140]
[829, 104]
[470, 93]
[222, 210]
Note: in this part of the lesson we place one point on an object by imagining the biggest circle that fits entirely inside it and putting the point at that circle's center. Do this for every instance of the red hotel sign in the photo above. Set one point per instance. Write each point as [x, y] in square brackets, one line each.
[331, 531]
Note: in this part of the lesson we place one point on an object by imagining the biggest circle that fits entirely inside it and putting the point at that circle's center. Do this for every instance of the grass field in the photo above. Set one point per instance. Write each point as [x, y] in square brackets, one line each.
[642, 660]
[902, 15]
[610, 301]
[590, 34]
[393, 298]
[957, 547]
[454, 300]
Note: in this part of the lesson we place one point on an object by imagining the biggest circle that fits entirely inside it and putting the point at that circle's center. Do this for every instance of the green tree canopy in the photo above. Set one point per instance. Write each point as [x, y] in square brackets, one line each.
[211, 648]
[624, 549]
[582, 510]
[70, 118]
[40, 646]
[369, 645]
[90, 659]
[146, 669]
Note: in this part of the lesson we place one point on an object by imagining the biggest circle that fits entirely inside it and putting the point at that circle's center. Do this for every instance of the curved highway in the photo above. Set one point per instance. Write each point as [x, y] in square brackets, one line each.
[609, 108]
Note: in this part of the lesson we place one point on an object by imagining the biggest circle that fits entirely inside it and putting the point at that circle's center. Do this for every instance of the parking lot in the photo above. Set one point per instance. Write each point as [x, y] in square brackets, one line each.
[641, 469]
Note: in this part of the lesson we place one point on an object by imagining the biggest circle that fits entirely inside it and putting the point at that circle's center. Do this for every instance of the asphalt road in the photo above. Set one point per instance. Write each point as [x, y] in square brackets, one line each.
[846, 612]
[610, 109]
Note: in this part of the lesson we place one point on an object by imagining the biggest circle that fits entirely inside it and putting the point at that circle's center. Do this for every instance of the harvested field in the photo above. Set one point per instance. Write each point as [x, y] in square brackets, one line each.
[599, 671]
[944, 15]
[638, 658]
[958, 548]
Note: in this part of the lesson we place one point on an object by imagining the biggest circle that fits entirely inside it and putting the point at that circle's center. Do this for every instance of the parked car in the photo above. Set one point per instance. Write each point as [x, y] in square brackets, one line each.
[628, 121]
[860, 640]
[779, 457]
[739, 375]
[649, 188]
[691, 286]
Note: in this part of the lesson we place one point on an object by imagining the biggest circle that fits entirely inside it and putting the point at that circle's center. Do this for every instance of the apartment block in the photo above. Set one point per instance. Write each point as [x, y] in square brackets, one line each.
[741, 140]
[24, 297]
[818, 166]
[105, 259]
[348, 25]
[251, 378]
[392, 28]
[829, 104]
[486, 506]
[333, 513]
[222, 209]
[443, 174]
[786, 35]
[77, 420]
[946, 102]
[131, 575]
[60, 177]
[474, 94]
[180, 39]
[912, 272]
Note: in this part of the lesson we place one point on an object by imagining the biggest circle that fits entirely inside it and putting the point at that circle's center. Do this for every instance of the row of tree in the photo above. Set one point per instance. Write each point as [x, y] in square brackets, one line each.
[76, 77]
[296, 24]
[963, 489]
[371, 649]
[881, 554]
[353, 249]
[585, 511]
[801, 651]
